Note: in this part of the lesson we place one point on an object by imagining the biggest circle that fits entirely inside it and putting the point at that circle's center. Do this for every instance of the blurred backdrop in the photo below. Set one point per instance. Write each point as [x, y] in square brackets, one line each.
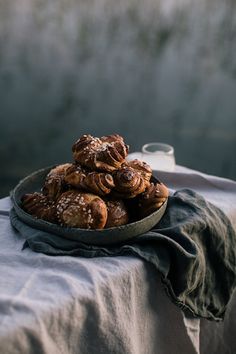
[153, 70]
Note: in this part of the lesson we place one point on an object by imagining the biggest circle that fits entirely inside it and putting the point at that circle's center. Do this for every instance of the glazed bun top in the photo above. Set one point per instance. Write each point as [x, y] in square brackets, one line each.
[103, 154]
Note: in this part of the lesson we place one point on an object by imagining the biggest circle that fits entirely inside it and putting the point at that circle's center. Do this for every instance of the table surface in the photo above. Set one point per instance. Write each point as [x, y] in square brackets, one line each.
[103, 305]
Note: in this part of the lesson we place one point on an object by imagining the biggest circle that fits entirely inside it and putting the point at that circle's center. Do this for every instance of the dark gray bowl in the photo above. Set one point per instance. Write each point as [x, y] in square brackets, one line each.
[113, 235]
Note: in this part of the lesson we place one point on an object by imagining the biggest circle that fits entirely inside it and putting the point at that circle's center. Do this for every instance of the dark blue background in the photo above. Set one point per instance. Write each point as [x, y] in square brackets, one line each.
[150, 70]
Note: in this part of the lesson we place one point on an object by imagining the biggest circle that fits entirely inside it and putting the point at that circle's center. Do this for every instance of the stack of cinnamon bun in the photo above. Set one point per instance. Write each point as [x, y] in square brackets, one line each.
[100, 189]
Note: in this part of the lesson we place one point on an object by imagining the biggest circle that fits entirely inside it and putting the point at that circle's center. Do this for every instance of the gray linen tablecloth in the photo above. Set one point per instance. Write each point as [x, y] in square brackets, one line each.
[102, 305]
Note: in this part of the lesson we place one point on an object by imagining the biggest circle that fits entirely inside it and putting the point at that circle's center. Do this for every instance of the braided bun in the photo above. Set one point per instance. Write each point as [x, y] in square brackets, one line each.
[128, 183]
[105, 154]
[99, 183]
[39, 206]
[75, 176]
[83, 210]
[54, 183]
[152, 199]
[142, 167]
[117, 213]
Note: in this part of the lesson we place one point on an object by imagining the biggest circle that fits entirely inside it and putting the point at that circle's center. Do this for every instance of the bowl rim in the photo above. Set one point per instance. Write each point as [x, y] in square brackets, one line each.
[45, 170]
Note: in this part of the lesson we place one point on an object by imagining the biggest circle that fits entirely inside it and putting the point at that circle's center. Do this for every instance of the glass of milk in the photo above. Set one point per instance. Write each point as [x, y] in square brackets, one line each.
[159, 156]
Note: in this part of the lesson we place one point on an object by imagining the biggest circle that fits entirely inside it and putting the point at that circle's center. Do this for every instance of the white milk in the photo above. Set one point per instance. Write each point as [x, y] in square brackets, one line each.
[160, 161]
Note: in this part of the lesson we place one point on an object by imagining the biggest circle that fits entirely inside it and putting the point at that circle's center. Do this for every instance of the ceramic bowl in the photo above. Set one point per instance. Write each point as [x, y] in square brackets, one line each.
[109, 236]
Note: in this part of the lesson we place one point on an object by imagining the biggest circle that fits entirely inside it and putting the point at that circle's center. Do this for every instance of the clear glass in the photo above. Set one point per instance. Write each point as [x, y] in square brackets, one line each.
[159, 156]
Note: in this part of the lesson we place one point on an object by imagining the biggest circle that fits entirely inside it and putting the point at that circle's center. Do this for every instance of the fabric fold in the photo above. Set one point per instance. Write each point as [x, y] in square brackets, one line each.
[193, 247]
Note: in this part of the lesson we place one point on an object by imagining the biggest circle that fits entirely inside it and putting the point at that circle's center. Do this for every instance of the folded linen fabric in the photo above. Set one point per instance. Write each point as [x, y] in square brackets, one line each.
[193, 247]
